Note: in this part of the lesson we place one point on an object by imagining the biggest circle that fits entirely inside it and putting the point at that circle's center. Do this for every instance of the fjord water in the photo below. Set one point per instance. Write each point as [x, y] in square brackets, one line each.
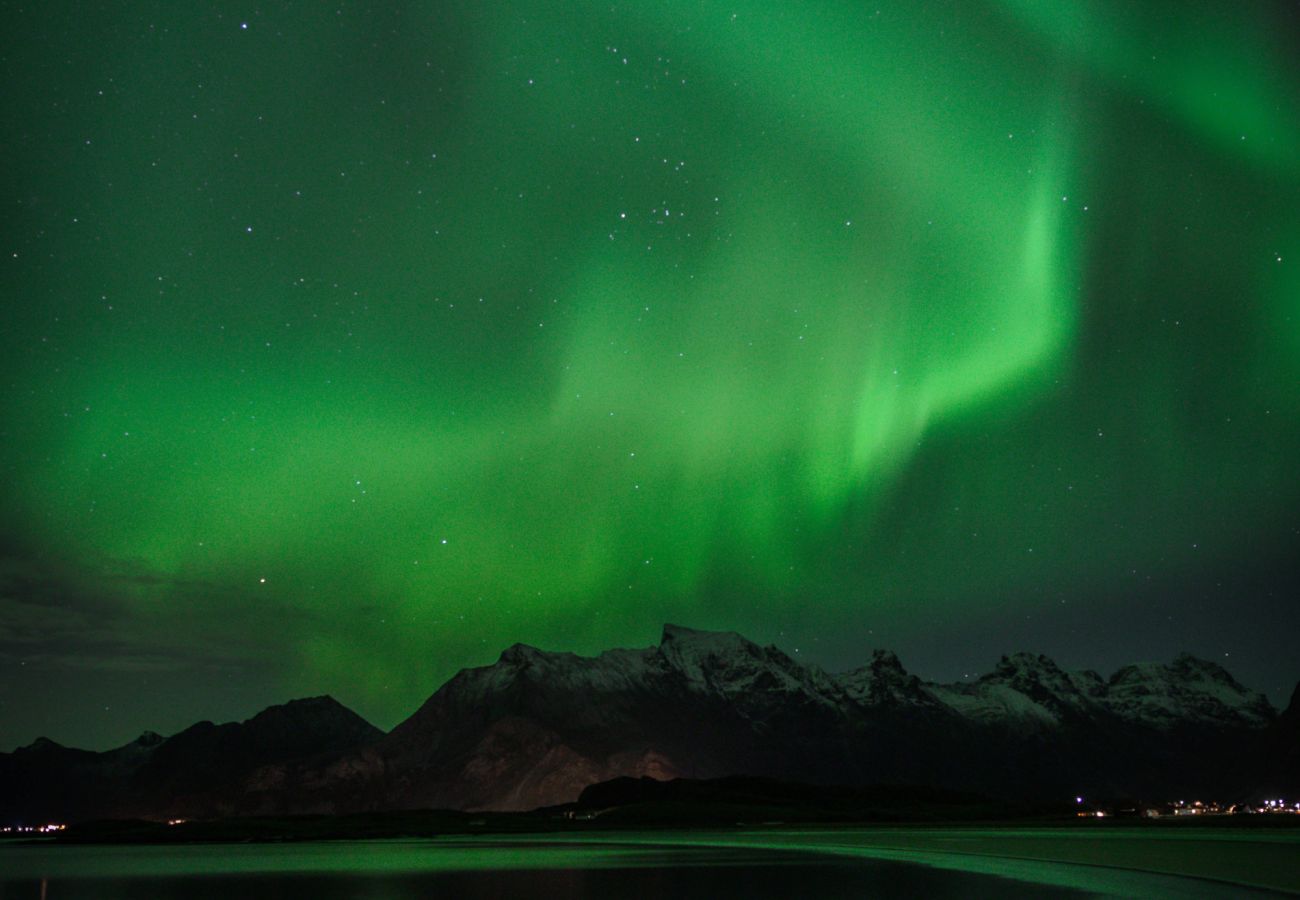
[632, 867]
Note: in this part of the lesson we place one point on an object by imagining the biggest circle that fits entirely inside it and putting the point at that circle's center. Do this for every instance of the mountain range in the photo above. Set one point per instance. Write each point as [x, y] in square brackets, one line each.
[536, 728]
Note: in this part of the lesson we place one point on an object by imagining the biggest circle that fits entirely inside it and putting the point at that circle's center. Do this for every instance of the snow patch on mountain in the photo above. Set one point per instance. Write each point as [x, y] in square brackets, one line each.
[1186, 691]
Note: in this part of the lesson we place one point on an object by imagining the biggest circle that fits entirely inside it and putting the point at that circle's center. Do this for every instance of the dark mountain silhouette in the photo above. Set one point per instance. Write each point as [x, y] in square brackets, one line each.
[739, 798]
[1280, 758]
[199, 771]
[537, 728]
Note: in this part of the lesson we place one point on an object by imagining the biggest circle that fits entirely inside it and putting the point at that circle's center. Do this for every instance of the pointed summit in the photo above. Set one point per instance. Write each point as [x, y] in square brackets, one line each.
[883, 661]
[41, 745]
[884, 682]
[699, 655]
[519, 653]
[148, 739]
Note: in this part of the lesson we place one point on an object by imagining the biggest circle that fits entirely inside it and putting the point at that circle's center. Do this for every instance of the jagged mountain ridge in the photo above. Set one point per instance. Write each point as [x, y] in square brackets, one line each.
[535, 728]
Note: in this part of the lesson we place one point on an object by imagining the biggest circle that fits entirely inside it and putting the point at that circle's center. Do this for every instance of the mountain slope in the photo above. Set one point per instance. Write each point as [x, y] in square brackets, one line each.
[202, 771]
[536, 728]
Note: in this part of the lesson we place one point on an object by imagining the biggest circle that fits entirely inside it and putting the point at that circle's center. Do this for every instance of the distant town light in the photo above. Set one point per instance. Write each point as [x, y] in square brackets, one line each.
[32, 829]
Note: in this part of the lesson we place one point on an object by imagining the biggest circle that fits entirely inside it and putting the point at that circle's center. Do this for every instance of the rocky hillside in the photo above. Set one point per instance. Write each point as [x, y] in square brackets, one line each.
[536, 728]
[204, 770]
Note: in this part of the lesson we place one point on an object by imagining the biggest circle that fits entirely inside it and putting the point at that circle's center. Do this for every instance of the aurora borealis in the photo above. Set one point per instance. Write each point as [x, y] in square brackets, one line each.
[345, 345]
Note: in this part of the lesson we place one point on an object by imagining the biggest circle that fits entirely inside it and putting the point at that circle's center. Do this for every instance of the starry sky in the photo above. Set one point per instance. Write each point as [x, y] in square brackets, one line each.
[343, 345]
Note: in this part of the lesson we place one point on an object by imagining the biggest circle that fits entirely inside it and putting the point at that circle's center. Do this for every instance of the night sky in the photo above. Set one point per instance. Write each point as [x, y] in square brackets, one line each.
[343, 345]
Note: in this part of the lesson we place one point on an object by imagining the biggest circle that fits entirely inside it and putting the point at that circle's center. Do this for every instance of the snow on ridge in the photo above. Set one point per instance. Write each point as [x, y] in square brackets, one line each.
[883, 680]
[1023, 688]
[1187, 690]
[989, 702]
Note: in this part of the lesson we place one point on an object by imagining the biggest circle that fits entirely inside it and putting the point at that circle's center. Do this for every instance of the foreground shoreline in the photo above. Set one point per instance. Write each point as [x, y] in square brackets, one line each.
[1253, 854]
[1261, 859]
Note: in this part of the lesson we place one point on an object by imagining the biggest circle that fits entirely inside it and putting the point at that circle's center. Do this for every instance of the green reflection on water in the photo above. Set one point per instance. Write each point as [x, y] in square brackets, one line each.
[1122, 863]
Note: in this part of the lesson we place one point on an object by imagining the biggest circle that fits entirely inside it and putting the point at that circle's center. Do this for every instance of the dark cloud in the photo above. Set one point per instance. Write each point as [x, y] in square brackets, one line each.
[54, 614]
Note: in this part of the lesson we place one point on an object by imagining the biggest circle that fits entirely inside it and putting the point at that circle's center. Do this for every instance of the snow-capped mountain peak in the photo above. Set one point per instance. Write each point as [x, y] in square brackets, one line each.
[728, 665]
[884, 682]
[1188, 691]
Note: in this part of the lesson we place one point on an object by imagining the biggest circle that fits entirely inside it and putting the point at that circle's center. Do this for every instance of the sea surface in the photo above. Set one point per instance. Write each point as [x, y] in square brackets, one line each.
[691, 865]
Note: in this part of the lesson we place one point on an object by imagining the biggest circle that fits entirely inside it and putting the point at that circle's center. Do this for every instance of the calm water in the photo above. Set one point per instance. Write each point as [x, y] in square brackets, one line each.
[626, 867]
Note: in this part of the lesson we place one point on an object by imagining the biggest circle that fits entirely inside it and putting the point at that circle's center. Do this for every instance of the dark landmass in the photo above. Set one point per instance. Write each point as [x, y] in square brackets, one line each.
[153, 776]
[642, 804]
[685, 802]
[537, 729]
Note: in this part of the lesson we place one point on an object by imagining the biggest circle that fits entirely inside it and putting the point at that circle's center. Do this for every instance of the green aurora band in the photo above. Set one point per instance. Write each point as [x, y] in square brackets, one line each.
[360, 346]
